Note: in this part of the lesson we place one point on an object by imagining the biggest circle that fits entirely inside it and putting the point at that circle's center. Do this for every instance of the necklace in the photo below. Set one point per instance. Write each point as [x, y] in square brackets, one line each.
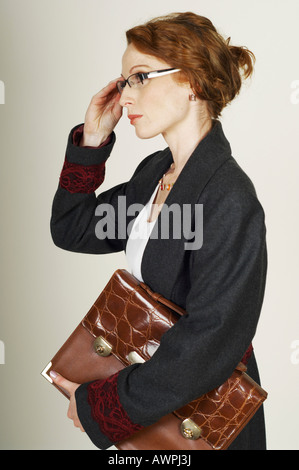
[167, 186]
[164, 186]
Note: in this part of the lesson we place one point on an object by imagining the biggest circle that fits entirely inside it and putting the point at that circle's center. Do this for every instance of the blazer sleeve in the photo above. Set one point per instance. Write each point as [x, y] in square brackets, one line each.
[202, 349]
[76, 209]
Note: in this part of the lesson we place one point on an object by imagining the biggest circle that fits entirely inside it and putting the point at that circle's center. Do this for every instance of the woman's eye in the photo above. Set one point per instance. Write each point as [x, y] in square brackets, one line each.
[141, 78]
[138, 79]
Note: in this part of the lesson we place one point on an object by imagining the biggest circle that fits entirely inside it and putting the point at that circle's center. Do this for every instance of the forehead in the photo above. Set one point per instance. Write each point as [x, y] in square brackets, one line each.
[132, 59]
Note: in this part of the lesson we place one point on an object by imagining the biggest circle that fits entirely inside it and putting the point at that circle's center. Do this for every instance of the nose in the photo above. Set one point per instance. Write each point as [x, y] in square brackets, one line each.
[126, 98]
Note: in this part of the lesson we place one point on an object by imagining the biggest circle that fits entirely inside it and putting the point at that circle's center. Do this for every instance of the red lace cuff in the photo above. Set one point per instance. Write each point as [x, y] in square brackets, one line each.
[247, 355]
[81, 179]
[108, 412]
[77, 135]
[77, 178]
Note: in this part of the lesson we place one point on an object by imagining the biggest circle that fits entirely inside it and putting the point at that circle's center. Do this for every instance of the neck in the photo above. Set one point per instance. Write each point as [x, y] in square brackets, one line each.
[183, 140]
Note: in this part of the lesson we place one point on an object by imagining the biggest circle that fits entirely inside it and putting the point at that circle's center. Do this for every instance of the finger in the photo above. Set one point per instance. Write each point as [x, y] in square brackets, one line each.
[72, 414]
[111, 87]
[116, 79]
[75, 420]
[62, 382]
[77, 424]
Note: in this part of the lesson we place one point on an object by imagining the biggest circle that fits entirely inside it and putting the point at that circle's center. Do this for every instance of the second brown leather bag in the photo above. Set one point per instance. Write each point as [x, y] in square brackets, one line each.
[125, 325]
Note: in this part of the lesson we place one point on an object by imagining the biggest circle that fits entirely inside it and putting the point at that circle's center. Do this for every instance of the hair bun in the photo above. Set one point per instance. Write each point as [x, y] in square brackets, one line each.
[243, 58]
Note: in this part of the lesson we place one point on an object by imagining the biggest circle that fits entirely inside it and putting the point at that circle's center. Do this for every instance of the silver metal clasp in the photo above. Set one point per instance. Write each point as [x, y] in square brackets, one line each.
[190, 430]
[102, 347]
[135, 358]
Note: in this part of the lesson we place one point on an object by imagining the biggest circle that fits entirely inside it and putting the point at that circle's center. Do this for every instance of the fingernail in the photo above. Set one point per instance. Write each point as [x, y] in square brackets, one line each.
[53, 374]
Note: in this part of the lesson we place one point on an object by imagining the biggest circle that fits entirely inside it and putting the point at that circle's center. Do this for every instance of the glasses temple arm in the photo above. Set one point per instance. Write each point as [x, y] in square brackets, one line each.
[160, 73]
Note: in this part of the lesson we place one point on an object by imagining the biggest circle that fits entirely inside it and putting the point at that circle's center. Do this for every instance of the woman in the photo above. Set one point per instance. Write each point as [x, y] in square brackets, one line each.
[219, 282]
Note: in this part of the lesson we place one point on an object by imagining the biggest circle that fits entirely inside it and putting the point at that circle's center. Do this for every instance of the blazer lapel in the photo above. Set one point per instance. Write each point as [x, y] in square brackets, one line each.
[146, 181]
[162, 259]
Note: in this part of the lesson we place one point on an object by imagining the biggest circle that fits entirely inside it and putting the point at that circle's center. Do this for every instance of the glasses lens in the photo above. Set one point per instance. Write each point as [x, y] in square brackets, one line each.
[120, 86]
[135, 79]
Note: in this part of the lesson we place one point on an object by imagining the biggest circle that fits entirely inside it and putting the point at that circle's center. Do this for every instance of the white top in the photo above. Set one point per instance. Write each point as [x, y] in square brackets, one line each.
[139, 237]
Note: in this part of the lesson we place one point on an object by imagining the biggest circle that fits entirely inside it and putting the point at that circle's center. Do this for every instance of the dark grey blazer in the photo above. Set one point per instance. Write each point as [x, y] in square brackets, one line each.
[221, 285]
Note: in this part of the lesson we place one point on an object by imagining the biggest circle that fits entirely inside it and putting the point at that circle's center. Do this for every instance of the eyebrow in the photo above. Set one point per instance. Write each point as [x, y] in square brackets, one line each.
[137, 66]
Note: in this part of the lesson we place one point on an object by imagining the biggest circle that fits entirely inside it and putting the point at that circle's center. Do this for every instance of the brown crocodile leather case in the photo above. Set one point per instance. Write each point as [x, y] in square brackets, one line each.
[131, 317]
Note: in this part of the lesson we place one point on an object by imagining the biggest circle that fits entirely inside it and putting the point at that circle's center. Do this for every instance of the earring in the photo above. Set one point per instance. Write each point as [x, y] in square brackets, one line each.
[192, 97]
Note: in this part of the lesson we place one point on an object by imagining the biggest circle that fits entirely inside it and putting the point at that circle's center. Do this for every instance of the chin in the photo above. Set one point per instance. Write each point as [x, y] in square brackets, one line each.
[143, 133]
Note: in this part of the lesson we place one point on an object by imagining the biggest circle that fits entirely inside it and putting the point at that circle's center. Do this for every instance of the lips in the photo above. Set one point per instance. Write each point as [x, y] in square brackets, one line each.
[134, 117]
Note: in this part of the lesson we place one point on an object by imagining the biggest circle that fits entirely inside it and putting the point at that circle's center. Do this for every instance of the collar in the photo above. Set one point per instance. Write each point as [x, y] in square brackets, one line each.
[210, 154]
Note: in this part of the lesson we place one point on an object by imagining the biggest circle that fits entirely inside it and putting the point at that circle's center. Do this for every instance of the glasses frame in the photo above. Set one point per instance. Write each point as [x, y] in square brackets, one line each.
[144, 76]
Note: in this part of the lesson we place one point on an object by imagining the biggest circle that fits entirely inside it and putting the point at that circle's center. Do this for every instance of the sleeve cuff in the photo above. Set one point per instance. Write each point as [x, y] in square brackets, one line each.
[78, 134]
[81, 178]
[84, 167]
[101, 413]
[90, 426]
[87, 155]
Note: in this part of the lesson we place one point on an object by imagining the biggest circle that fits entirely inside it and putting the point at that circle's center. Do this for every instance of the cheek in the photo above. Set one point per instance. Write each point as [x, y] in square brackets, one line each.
[154, 115]
[170, 103]
[160, 109]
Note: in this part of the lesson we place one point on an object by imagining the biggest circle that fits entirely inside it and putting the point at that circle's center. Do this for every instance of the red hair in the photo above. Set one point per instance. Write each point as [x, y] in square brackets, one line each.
[190, 42]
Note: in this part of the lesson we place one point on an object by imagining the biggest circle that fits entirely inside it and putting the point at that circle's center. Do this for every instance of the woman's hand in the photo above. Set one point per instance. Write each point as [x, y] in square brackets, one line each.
[70, 388]
[102, 115]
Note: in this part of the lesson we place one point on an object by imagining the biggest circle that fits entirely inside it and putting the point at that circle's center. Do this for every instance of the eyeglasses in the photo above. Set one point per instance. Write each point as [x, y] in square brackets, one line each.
[136, 79]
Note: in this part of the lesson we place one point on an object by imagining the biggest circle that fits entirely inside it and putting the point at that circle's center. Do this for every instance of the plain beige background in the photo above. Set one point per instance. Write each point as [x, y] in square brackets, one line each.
[53, 57]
